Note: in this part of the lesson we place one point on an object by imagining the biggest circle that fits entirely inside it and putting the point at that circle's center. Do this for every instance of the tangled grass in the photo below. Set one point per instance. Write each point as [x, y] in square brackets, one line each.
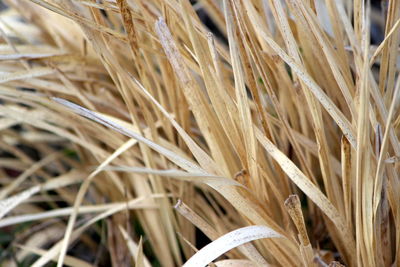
[130, 134]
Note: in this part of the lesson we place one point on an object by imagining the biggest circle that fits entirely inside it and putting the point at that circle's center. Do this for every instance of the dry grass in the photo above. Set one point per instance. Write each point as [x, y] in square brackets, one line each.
[127, 129]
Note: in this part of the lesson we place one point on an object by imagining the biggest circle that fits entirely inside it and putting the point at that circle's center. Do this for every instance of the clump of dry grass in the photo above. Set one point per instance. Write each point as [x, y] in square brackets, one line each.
[127, 129]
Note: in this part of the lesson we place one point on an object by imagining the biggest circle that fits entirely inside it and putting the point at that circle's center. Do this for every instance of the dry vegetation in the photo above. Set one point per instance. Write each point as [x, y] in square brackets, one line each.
[130, 135]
